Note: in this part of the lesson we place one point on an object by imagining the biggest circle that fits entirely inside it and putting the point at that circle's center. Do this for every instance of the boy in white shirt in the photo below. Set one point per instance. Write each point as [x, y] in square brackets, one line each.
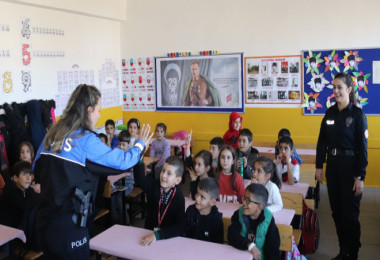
[288, 169]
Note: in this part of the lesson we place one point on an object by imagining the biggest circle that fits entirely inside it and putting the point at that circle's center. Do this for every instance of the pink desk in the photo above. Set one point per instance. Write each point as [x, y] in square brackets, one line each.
[123, 241]
[283, 216]
[295, 188]
[307, 155]
[7, 234]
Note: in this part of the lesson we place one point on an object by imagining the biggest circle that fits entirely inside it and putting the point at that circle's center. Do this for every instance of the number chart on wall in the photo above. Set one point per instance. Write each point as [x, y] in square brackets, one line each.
[320, 68]
[44, 54]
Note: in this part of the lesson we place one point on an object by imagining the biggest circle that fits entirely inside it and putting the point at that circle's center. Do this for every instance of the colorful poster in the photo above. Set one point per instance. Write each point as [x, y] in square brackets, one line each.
[273, 80]
[138, 84]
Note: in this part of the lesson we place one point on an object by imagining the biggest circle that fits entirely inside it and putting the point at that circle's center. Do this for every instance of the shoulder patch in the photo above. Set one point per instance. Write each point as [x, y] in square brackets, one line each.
[366, 133]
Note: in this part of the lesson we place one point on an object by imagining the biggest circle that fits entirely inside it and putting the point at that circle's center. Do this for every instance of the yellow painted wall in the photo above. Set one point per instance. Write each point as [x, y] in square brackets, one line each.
[264, 123]
[113, 113]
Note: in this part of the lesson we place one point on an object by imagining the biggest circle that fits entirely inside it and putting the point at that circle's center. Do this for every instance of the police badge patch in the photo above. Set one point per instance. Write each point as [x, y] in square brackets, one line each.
[349, 121]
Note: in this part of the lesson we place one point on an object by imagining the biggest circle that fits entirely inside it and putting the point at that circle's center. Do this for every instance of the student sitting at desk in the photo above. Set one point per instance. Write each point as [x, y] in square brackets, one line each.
[265, 173]
[246, 154]
[166, 204]
[288, 169]
[21, 201]
[282, 133]
[203, 220]
[253, 227]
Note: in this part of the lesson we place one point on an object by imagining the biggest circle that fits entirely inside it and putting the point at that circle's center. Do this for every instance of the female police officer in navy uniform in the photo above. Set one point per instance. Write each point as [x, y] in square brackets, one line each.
[343, 138]
[67, 165]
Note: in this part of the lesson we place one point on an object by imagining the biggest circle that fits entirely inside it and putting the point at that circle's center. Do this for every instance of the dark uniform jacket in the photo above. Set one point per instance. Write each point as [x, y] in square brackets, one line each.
[344, 130]
[83, 157]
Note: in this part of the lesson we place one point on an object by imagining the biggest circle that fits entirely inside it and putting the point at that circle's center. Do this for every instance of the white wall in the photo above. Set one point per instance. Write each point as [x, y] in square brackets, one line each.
[111, 9]
[255, 27]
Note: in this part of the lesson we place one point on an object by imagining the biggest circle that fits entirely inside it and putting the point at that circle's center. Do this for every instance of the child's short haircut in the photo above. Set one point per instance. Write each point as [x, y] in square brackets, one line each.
[162, 125]
[210, 186]
[177, 163]
[134, 120]
[259, 192]
[286, 140]
[30, 146]
[124, 136]
[110, 122]
[21, 166]
[217, 141]
[101, 135]
[284, 132]
[246, 132]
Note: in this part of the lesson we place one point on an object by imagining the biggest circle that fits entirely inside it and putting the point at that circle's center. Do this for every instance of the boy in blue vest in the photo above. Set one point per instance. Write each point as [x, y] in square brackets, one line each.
[253, 227]
[203, 220]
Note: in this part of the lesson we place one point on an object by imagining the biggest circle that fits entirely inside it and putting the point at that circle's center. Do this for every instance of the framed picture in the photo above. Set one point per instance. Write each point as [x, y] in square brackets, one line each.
[274, 81]
[200, 83]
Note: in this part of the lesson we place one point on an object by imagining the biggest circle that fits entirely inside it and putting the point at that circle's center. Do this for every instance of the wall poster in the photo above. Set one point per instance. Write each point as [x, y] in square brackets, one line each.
[200, 83]
[273, 80]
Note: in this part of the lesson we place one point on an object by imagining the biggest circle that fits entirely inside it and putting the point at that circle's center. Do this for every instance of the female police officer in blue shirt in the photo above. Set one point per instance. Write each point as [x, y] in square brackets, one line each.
[67, 165]
[343, 138]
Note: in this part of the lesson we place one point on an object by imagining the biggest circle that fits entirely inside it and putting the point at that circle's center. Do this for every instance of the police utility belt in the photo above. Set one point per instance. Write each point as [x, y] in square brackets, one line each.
[335, 152]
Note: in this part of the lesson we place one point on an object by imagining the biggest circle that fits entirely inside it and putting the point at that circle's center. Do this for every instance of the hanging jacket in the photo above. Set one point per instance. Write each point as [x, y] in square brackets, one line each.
[37, 128]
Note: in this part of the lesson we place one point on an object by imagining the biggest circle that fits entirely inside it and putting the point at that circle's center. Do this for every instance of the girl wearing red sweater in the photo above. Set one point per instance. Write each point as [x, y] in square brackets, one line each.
[230, 182]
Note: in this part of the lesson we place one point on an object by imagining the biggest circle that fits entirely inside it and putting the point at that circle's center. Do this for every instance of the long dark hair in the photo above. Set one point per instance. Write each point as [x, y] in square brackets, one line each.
[74, 117]
[207, 161]
[347, 79]
[269, 168]
[233, 166]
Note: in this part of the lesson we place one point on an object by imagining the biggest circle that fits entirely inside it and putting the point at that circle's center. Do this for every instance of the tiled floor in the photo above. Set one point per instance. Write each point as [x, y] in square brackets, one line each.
[328, 245]
[370, 227]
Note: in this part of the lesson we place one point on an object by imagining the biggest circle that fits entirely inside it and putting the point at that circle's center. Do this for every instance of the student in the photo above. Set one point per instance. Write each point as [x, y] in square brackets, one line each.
[67, 165]
[203, 220]
[253, 227]
[246, 154]
[285, 163]
[285, 132]
[216, 145]
[133, 129]
[103, 138]
[234, 126]
[230, 182]
[166, 204]
[26, 152]
[202, 168]
[265, 173]
[160, 147]
[21, 201]
[111, 137]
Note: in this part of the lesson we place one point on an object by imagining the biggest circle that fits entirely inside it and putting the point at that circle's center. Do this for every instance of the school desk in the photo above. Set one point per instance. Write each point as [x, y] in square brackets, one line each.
[7, 234]
[123, 241]
[283, 216]
[307, 155]
[298, 187]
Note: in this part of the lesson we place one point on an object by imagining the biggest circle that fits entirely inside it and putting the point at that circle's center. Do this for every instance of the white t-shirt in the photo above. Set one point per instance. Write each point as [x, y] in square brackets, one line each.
[274, 198]
[294, 169]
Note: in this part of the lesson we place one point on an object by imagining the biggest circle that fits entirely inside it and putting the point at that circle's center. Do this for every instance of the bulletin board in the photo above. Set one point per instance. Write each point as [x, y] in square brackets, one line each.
[320, 67]
[45, 54]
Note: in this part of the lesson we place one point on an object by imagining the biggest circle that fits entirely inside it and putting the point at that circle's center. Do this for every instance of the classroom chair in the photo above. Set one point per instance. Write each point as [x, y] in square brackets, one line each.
[294, 201]
[136, 201]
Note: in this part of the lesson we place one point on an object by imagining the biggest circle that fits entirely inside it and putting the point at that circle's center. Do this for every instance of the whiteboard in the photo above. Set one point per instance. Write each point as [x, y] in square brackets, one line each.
[45, 54]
